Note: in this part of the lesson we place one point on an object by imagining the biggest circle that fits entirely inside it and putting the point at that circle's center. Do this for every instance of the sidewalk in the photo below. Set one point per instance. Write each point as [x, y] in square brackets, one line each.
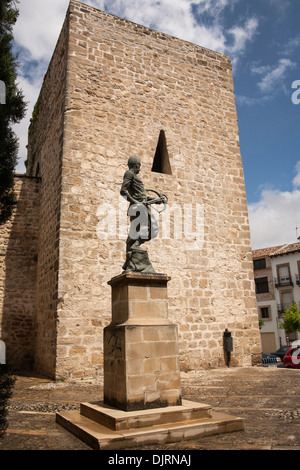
[267, 399]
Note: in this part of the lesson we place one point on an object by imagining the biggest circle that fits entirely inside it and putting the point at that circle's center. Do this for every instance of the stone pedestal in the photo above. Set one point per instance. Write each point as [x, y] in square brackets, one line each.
[141, 366]
[142, 393]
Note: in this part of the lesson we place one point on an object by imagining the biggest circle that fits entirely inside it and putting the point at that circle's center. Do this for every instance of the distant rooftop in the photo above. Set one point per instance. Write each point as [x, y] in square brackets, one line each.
[285, 249]
[276, 250]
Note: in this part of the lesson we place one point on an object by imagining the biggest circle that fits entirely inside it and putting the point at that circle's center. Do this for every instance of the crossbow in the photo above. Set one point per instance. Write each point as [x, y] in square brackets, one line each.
[161, 199]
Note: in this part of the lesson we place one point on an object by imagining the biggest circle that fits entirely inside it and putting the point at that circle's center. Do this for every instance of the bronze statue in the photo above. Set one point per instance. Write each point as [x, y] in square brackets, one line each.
[143, 225]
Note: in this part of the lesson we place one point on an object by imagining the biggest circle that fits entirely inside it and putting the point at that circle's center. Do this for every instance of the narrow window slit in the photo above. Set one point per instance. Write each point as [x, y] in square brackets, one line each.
[161, 162]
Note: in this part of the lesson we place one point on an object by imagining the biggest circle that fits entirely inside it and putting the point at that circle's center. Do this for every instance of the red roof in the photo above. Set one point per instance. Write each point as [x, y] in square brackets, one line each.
[276, 250]
[285, 249]
[265, 251]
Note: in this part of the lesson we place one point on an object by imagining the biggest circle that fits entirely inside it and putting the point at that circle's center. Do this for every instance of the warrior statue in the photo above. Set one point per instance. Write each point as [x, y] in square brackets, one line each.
[143, 225]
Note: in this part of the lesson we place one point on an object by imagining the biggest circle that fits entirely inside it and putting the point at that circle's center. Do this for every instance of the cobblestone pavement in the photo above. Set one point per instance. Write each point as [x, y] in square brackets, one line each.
[267, 399]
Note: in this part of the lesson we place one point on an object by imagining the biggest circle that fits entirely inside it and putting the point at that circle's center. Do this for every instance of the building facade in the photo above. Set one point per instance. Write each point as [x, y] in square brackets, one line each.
[115, 89]
[276, 273]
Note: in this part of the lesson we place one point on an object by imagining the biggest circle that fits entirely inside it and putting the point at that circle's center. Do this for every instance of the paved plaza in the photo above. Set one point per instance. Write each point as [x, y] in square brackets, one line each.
[267, 399]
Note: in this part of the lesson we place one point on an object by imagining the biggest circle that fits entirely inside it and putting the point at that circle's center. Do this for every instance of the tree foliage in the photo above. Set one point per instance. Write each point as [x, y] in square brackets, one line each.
[291, 319]
[12, 111]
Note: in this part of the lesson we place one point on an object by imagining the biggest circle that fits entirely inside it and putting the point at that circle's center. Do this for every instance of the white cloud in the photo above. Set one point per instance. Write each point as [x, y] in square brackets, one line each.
[272, 75]
[274, 218]
[271, 82]
[174, 17]
[31, 88]
[291, 46]
[296, 180]
[182, 18]
[38, 26]
[35, 33]
[252, 101]
[214, 7]
[242, 35]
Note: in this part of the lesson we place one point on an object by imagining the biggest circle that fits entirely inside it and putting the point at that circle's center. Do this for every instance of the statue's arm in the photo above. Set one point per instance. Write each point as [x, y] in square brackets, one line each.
[152, 200]
[127, 180]
[156, 200]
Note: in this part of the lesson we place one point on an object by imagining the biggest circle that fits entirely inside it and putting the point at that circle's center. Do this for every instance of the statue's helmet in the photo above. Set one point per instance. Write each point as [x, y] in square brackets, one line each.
[132, 161]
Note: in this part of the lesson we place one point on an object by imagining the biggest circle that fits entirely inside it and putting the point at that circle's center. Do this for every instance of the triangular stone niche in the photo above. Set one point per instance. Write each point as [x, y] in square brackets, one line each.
[161, 162]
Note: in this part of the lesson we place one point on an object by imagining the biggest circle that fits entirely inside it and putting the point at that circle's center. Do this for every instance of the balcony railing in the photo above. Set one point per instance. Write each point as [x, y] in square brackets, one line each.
[283, 282]
[281, 308]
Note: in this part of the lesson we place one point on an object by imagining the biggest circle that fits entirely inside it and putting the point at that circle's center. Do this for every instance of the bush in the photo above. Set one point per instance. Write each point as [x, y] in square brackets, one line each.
[7, 381]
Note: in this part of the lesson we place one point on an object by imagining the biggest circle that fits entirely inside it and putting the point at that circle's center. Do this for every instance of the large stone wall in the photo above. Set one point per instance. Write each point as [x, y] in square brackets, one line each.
[18, 262]
[112, 87]
[45, 152]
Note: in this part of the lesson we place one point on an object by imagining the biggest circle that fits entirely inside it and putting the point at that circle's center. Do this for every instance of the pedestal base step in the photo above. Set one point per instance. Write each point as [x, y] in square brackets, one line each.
[103, 427]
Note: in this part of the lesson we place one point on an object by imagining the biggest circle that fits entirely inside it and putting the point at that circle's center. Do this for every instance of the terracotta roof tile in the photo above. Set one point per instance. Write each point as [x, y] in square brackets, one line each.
[265, 251]
[285, 249]
[276, 250]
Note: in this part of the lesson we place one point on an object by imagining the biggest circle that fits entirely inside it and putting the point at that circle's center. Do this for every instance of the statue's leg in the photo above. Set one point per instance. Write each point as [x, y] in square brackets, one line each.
[137, 259]
[132, 244]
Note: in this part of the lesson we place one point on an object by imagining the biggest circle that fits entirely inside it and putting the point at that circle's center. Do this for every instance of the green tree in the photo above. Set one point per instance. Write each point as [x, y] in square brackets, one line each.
[11, 111]
[291, 319]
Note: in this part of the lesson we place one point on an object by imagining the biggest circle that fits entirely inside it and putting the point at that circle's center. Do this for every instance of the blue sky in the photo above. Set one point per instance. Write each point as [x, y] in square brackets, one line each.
[262, 38]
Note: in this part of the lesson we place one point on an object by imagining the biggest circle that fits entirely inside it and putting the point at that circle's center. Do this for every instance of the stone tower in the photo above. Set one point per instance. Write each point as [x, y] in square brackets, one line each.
[115, 89]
